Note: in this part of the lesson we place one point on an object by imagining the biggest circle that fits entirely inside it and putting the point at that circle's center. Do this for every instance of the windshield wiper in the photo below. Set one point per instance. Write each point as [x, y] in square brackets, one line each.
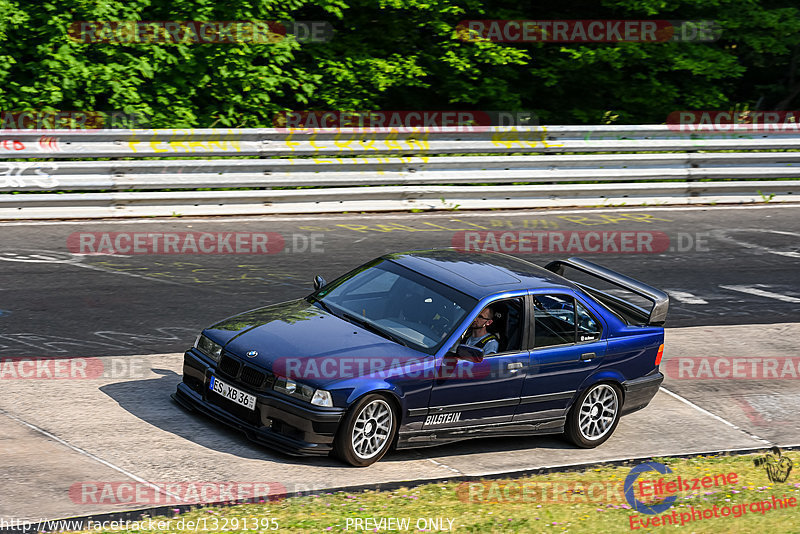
[372, 328]
[323, 305]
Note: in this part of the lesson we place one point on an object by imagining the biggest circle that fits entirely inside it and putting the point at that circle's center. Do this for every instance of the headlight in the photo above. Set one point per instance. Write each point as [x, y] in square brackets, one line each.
[317, 397]
[209, 348]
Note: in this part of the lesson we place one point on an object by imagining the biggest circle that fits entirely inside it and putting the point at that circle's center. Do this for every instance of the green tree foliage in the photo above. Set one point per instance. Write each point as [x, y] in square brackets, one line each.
[396, 55]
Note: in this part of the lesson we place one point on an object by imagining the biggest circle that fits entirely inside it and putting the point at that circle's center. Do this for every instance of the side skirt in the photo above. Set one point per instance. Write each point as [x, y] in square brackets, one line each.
[437, 436]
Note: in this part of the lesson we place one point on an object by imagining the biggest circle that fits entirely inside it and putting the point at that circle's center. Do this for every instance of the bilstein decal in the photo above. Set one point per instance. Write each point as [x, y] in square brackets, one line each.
[442, 418]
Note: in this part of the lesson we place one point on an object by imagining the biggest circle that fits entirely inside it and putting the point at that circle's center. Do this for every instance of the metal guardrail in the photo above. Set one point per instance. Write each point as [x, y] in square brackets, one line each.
[284, 142]
[405, 169]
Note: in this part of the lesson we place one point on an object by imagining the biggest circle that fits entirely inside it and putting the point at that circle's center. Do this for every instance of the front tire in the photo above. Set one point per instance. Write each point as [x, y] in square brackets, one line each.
[594, 416]
[367, 431]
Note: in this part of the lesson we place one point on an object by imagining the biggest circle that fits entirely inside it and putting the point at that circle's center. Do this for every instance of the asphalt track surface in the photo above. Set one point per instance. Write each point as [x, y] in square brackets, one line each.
[732, 274]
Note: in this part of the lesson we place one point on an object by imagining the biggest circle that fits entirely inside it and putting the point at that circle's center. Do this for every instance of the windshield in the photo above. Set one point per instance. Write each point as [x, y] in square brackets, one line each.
[397, 303]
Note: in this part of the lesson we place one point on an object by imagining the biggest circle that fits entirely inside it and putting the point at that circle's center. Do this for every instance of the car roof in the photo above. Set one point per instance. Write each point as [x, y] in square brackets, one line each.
[479, 274]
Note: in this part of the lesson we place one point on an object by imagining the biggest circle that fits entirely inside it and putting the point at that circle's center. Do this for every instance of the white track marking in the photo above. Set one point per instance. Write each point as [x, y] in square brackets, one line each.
[67, 258]
[718, 418]
[686, 297]
[112, 271]
[724, 235]
[328, 217]
[440, 464]
[761, 293]
[37, 256]
[89, 455]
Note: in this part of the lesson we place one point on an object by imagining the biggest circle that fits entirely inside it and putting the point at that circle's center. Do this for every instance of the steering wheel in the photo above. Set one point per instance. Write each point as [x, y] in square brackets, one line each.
[441, 324]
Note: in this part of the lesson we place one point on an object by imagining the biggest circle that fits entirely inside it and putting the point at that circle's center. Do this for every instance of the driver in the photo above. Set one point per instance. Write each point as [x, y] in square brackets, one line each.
[480, 337]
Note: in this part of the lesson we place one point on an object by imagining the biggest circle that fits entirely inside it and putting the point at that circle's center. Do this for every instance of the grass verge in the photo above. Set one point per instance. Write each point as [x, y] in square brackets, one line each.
[585, 501]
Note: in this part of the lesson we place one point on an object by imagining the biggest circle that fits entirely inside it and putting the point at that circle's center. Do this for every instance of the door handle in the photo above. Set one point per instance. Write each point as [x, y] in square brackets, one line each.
[514, 367]
[588, 356]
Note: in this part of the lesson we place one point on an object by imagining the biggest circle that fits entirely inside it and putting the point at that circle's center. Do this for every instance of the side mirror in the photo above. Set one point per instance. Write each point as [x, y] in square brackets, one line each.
[468, 353]
[319, 282]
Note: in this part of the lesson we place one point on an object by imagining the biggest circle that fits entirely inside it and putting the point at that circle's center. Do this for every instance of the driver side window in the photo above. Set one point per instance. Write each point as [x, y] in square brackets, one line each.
[507, 325]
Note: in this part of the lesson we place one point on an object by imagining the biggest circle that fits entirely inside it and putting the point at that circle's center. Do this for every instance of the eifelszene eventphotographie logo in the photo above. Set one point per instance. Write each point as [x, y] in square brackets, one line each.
[630, 483]
[777, 466]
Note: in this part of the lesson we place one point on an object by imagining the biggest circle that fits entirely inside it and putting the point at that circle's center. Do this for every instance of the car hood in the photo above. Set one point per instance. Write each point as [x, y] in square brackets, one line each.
[299, 340]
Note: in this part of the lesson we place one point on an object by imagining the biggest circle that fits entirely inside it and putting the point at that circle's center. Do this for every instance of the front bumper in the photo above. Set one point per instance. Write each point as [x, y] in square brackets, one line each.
[276, 422]
[640, 391]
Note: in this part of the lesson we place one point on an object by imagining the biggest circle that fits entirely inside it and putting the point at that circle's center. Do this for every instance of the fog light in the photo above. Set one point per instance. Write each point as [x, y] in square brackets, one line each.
[322, 398]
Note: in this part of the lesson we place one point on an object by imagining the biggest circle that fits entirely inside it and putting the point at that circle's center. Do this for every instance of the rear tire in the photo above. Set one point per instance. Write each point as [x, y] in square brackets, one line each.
[594, 416]
[367, 431]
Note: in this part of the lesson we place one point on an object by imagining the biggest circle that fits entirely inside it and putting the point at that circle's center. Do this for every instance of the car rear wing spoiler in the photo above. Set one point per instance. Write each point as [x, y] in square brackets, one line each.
[654, 317]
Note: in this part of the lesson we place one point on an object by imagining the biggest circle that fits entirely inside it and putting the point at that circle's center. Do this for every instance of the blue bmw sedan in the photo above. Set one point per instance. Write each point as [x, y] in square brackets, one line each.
[428, 347]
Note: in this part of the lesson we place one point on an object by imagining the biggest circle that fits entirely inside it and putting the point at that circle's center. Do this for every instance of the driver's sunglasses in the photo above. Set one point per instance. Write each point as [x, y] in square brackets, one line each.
[484, 318]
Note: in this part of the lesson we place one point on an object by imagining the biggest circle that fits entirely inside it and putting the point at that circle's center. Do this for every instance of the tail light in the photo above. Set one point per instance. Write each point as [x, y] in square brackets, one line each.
[660, 354]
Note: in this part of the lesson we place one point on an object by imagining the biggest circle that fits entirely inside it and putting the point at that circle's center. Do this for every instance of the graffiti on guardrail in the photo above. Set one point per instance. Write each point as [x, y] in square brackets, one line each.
[528, 138]
[412, 141]
[353, 142]
[27, 174]
[12, 145]
[48, 143]
[45, 143]
[189, 142]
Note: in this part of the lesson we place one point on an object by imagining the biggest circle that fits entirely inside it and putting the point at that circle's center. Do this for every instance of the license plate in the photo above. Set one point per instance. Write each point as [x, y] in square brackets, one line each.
[232, 394]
